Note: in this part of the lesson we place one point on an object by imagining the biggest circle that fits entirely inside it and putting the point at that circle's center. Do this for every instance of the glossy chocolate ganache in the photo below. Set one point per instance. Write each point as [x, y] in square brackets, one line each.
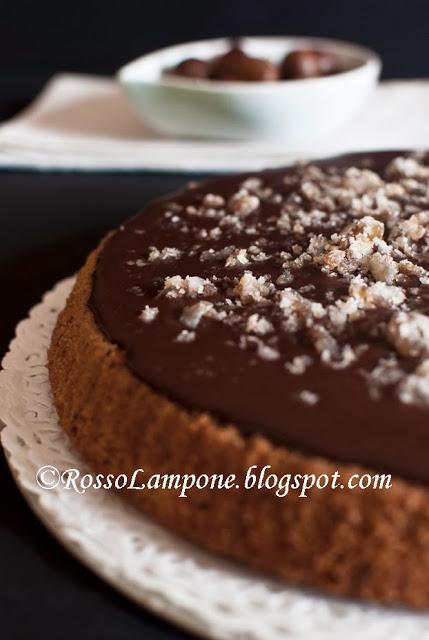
[293, 303]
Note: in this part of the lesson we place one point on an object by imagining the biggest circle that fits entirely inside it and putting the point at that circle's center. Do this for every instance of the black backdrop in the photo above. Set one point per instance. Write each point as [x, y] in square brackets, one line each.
[38, 38]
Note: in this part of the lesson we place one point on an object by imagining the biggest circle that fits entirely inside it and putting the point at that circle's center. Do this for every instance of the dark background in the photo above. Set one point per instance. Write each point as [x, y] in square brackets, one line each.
[39, 38]
[49, 222]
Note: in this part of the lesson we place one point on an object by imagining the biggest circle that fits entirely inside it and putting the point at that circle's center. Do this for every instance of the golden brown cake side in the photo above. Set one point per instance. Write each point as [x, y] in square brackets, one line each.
[372, 545]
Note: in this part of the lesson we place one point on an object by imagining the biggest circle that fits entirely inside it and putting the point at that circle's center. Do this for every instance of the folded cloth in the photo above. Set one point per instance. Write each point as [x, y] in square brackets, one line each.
[85, 123]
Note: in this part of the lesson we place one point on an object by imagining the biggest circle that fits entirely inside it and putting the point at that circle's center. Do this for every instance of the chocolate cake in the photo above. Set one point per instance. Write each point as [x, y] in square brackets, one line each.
[281, 319]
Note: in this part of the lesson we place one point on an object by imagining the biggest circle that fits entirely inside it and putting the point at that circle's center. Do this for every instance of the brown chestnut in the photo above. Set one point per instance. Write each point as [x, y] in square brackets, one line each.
[306, 63]
[236, 65]
[191, 68]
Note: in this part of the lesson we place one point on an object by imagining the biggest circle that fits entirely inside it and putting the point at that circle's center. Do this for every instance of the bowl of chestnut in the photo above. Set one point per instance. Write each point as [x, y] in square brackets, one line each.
[289, 89]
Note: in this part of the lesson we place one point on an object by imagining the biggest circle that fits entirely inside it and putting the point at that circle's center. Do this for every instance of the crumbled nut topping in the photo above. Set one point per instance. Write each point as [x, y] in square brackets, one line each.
[383, 267]
[409, 333]
[243, 203]
[252, 289]
[264, 351]
[213, 201]
[185, 336]
[308, 397]
[191, 286]
[258, 324]
[149, 313]
[387, 373]
[414, 388]
[192, 315]
[299, 365]
[168, 253]
[329, 258]
[237, 258]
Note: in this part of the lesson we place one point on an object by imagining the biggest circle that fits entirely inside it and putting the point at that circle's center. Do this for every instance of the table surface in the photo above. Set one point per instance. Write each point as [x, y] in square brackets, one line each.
[50, 221]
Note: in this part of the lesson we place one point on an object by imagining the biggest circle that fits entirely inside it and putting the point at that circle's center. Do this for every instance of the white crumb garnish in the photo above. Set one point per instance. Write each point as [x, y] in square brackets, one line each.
[192, 315]
[192, 286]
[149, 314]
[308, 397]
[258, 324]
[185, 336]
[299, 364]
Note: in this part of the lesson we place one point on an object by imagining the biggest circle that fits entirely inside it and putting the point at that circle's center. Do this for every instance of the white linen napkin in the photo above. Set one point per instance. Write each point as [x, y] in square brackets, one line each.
[85, 123]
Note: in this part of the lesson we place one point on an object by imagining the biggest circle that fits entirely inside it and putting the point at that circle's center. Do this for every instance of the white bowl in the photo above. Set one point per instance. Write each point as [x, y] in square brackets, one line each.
[294, 110]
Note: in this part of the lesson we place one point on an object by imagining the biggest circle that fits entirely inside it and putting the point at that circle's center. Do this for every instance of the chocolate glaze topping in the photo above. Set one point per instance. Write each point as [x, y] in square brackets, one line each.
[293, 303]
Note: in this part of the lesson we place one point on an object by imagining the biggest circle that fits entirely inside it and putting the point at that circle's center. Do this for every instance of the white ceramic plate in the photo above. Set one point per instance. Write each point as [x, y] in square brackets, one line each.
[297, 111]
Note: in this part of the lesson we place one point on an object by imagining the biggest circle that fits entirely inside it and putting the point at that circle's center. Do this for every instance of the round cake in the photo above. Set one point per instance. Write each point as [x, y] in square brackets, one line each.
[275, 322]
